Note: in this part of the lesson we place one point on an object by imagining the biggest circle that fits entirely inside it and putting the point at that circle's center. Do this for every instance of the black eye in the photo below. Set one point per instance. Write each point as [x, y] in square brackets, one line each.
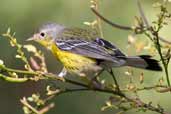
[42, 34]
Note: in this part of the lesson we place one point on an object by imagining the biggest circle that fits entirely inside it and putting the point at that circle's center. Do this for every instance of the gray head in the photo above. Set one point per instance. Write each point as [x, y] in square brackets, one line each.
[51, 30]
[47, 33]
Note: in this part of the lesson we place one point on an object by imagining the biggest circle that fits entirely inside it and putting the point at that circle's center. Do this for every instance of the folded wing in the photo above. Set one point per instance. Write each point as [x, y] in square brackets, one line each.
[97, 49]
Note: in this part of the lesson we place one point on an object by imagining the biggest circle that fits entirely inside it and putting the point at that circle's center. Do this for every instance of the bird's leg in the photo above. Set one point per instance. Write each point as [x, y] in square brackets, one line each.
[92, 82]
[114, 78]
[98, 74]
[62, 73]
[95, 80]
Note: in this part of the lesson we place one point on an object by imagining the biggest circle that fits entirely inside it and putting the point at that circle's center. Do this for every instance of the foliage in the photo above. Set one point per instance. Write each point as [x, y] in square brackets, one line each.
[122, 99]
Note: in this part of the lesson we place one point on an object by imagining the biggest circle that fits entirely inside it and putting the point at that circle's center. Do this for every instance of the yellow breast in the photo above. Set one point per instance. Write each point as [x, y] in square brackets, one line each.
[74, 62]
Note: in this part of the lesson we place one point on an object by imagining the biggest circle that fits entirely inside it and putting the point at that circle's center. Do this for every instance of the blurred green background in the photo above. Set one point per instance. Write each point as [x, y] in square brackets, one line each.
[25, 17]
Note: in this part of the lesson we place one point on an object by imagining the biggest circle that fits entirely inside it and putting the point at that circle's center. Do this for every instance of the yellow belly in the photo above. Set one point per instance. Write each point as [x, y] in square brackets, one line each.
[75, 63]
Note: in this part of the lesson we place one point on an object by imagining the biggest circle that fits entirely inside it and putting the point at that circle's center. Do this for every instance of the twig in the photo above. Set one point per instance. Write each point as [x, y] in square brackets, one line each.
[41, 111]
[19, 47]
[25, 103]
[164, 40]
[72, 90]
[158, 47]
[46, 108]
[95, 6]
[141, 11]
[123, 27]
[151, 87]
[12, 79]
[164, 90]
[19, 71]
[109, 22]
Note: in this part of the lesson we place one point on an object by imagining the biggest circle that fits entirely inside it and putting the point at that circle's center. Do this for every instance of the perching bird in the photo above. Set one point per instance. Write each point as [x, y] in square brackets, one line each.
[83, 52]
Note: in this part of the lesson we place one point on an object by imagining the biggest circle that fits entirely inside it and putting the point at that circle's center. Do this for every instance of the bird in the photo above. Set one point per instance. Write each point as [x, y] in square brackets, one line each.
[83, 52]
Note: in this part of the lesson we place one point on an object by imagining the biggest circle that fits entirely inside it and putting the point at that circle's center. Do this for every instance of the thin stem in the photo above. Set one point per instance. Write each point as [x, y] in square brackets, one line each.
[162, 59]
[73, 90]
[53, 76]
[20, 71]
[98, 19]
[166, 72]
[6, 69]
[25, 103]
[164, 40]
[75, 83]
[158, 47]
[109, 22]
[141, 11]
[46, 108]
[12, 79]
[151, 87]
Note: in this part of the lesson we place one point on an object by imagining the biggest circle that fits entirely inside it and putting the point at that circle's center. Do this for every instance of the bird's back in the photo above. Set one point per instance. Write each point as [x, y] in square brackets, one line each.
[74, 33]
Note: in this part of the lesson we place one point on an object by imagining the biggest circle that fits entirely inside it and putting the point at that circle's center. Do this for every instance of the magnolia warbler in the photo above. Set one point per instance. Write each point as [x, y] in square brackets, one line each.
[84, 52]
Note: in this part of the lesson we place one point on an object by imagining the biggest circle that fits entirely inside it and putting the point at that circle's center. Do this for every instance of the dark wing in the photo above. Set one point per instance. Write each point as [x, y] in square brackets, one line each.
[111, 47]
[98, 49]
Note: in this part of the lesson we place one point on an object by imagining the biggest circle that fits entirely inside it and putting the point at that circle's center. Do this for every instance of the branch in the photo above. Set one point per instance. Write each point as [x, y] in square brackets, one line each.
[137, 101]
[87, 87]
[25, 103]
[12, 79]
[41, 111]
[141, 11]
[109, 22]
[127, 28]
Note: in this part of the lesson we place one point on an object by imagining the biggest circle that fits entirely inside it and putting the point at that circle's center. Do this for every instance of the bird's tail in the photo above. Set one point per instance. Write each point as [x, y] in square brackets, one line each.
[144, 62]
